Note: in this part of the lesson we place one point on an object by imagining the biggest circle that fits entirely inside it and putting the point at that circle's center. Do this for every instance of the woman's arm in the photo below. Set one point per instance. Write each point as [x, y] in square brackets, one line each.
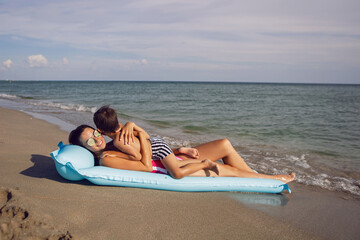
[205, 165]
[115, 154]
[125, 164]
[179, 171]
[116, 159]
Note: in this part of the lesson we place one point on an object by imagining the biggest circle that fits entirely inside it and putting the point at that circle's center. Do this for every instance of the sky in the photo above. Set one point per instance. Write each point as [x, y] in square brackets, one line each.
[315, 41]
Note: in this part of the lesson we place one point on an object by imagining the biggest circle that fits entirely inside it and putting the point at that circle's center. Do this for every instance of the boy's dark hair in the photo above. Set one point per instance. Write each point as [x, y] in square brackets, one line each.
[105, 119]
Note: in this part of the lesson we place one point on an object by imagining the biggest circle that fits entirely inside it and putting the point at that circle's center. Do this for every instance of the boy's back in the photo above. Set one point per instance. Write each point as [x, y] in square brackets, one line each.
[106, 121]
[131, 148]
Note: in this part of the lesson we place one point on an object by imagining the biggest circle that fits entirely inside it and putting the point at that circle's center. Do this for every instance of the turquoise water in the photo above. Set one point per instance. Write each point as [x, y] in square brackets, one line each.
[313, 130]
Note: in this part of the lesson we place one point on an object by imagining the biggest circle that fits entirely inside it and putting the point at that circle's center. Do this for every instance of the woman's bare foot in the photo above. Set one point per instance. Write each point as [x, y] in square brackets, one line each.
[286, 178]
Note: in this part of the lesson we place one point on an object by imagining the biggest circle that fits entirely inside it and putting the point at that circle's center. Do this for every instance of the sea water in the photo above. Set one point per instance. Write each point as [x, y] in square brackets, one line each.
[313, 130]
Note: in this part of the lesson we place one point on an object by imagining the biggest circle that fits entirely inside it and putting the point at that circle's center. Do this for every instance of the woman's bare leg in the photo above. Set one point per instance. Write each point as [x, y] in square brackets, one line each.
[222, 149]
[208, 168]
[228, 171]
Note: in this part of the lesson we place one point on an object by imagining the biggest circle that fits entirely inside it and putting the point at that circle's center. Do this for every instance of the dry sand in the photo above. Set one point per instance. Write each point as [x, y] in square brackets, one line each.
[36, 203]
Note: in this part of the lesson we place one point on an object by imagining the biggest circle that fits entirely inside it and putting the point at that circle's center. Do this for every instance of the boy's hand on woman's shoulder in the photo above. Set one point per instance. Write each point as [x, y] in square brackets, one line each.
[127, 133]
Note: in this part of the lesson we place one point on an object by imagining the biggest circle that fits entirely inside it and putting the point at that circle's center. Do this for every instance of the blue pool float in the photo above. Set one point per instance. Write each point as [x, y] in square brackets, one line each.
[77, 163]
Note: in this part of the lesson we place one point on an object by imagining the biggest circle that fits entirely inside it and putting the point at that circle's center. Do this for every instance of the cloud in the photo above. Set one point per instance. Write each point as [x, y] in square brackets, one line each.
[37, 61]
[8, 63]
[191, 35]
[65, 61]
[143, 61]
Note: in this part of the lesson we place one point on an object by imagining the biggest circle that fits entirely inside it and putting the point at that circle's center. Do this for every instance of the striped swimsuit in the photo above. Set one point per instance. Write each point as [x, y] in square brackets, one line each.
[160, 149]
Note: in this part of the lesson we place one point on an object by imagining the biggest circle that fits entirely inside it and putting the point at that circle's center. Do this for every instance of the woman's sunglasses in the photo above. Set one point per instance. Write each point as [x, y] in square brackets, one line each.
[91, 141]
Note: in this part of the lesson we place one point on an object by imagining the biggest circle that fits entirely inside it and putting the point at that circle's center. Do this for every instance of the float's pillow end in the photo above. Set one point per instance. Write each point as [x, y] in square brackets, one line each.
[77, 156]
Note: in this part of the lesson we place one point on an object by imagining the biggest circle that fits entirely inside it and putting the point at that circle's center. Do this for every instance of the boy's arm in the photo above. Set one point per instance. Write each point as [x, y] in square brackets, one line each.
[116, 159]
[139, 129]
[127, 132]
[145, 151]
[129, 149]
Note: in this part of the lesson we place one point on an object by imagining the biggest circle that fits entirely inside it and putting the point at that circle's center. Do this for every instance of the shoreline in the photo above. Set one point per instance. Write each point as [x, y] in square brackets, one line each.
[87, 211]
[338, 172]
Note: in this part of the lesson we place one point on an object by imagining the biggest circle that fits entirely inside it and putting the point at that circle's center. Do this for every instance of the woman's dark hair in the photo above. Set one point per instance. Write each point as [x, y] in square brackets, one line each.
[74, 136]
[74, 139]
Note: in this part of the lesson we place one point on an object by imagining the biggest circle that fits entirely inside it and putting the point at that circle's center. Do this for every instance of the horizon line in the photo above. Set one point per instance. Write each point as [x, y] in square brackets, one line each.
[182, 81]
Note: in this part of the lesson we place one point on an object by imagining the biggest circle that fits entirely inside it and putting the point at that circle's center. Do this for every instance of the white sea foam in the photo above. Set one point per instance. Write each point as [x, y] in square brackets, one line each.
[298, 161]
[65, 106]
[278, 164]
[305, 173]
[330, 183]
[8, 96]
[176, 142]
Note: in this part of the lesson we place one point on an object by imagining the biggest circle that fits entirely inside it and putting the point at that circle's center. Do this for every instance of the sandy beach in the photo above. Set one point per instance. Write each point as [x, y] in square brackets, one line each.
[36, 203]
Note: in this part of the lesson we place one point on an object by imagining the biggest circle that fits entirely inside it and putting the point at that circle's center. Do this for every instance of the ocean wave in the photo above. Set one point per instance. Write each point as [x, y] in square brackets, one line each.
[49, 104]
[305, 173]
[11, 97]
[334, 183]
[66, 106]
[175, 142]
[160, 123]
[278, 162]
[310, 170]
[8, 96]
[25, 97]
[194, 129]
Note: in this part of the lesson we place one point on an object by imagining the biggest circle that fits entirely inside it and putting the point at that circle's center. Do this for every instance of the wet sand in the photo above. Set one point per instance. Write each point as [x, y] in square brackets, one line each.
[36, 203]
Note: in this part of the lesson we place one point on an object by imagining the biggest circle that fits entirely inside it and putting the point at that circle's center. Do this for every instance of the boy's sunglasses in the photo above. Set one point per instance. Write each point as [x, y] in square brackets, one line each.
[91, 141]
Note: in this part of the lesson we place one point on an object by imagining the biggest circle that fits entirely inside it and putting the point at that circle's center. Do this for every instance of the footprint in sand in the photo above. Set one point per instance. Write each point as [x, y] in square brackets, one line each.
[16, 223]
[5, 196]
